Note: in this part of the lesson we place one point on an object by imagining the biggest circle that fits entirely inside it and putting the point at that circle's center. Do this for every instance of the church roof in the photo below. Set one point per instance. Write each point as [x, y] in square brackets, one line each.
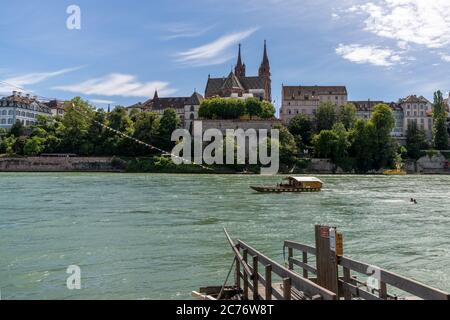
[215, 85]
[158, 103]
[232, 82]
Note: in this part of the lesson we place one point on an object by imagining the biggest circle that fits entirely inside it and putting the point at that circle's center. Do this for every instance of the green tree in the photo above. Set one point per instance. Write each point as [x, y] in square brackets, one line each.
[327, 116]
[33, 146]
[97, 134]
[268, 110]
[76, 123]
[8, 145]
[168, 124]
[146, 129]
[385, 147]
[301, 128]
[415, 141]
[253, 107]
[440, 133]
[17, 129]
[362, 145]
[347, 115]
[325, 144]
[288, 146]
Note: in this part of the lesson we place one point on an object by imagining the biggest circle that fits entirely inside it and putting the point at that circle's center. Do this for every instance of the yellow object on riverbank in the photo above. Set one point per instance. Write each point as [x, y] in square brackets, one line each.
[395, 172]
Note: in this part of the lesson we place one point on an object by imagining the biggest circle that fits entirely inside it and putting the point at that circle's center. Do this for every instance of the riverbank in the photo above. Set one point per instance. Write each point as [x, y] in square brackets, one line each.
[436, 164]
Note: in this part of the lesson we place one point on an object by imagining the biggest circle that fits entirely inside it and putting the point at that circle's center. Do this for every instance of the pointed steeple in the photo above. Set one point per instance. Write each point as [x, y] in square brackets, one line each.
[265, 57]
[239, 70]
[155, 97]
[264, 73]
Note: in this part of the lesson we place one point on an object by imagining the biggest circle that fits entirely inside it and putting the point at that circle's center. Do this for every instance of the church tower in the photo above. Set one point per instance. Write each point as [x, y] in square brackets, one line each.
[239, 70]
[264, 73]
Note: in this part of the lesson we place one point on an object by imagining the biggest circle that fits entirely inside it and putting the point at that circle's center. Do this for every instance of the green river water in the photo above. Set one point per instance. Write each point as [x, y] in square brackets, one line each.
[149, 236]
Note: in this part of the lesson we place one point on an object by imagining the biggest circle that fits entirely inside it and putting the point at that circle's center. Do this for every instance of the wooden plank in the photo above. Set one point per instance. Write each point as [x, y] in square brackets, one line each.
[305, 261]
[268, 284]
[235, 249]
[357, 292]
[300, 283]
[246, 284]
[290, 256]
[255, 278]
[383, 291]
[238, 274]
[287, 288]
[300, 247]
[347, 279]
[305, 267]
[411, 286]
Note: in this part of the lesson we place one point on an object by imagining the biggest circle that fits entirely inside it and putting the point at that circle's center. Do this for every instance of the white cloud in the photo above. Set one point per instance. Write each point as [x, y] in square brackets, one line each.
[445, 57]
[17, 83]
[421, 22]
[184, 30]
[377, 56]
[100, 101]
[214, 52]
[117, 84]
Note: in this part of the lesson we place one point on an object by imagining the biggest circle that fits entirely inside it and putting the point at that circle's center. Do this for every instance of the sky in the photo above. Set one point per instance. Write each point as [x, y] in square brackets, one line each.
[124, 50]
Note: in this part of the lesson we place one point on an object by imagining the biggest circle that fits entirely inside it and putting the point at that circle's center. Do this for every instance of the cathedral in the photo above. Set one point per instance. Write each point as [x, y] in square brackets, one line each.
[239, 85]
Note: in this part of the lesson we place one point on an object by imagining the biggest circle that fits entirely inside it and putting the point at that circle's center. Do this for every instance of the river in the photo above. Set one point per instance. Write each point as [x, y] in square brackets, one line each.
[150, 236]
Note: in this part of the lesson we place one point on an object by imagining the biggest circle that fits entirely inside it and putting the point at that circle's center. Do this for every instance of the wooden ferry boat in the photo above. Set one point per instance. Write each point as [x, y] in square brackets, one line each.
[295, 184]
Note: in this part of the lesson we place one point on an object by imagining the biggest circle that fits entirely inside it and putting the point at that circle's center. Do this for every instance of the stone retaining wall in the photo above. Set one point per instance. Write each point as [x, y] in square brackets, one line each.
[44, 164]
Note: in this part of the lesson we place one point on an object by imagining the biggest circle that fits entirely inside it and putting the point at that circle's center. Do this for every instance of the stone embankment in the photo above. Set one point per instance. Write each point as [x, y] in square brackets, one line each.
[55, 164]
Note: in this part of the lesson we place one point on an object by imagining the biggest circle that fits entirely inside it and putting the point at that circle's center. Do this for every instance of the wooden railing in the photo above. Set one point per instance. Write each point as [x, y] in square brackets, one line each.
[349, 285]
[248, 262]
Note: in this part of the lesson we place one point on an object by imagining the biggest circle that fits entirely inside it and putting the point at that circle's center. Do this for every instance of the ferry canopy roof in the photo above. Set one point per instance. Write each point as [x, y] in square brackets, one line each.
[305, 179]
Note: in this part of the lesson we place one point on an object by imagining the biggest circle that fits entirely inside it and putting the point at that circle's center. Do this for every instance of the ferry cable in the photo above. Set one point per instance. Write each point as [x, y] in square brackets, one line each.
[137, 140]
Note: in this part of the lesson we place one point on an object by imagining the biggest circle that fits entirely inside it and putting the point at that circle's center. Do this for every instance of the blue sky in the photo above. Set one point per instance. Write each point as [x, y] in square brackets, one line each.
[379, 49]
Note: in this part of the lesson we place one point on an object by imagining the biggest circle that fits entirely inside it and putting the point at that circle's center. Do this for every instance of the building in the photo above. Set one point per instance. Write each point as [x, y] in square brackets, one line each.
[57, 107]
[23, 108]
[186, 107]
[238, 84]
[364, 109]
[306, 99]
[419, 110]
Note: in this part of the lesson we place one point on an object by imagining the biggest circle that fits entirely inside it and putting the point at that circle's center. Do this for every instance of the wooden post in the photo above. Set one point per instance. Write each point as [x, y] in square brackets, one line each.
[244, 255]
[287, 288]
[238, 273]
[255, 278]
[291, 255]
[383, 290]
[327, 264]
[305, 261]
[269, 282]
[347, 279]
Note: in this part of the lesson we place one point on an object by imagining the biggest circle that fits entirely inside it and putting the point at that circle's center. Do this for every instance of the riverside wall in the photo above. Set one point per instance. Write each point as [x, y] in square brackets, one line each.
[50, 164]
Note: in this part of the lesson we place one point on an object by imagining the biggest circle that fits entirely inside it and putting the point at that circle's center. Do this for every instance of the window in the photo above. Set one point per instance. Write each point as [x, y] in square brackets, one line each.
[3, 121]
[10, 112]
[4, 112]
[10, 121]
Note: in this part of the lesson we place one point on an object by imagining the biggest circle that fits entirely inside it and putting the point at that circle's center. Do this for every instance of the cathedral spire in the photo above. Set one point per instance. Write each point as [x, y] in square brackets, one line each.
[264, 73]
[155, 97]
[239, 70]
[265, 61]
